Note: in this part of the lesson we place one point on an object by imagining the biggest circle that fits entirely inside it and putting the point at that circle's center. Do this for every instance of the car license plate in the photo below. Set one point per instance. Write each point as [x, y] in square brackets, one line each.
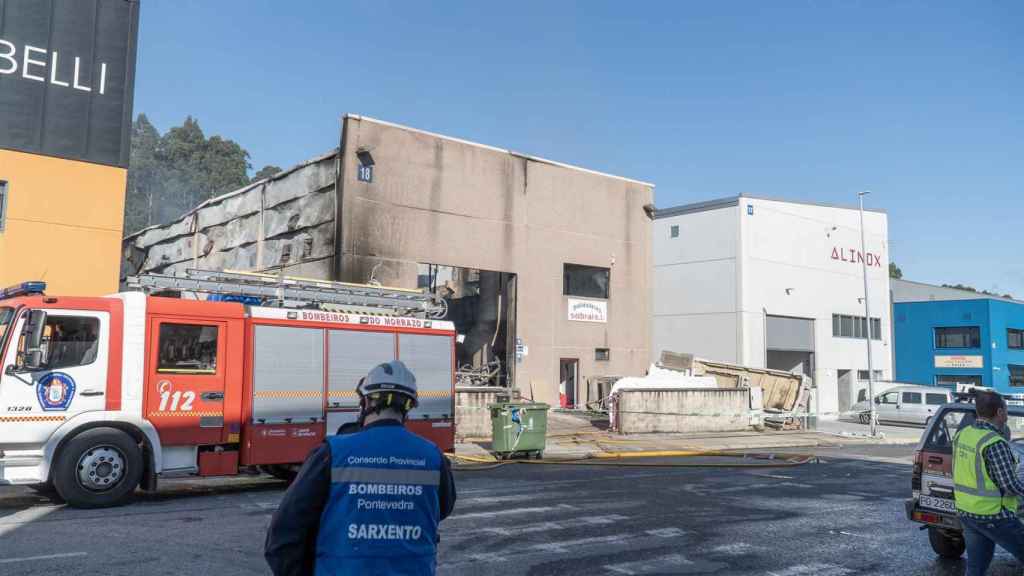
[943, 504]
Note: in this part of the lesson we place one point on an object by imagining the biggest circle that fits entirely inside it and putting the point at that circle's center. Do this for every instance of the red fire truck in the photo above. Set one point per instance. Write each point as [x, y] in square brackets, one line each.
[99, 396]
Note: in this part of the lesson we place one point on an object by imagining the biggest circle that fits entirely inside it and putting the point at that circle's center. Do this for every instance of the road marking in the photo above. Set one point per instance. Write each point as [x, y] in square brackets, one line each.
[552, 525]
[485, 500]
[16, 520]
[513, 511]
[488, 557]
[813, 570]
[773, 476]
[735, 549]
[48, 557]
[666, 532]
[653, 565]
[566, 545]
[761, 486]
[533, 485]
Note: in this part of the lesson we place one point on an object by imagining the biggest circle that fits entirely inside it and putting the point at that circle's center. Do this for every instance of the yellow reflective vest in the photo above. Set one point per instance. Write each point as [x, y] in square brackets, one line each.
[973, 488]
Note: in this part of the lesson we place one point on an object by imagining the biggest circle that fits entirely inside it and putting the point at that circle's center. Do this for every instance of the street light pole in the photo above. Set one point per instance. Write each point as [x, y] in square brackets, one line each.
[867, 317]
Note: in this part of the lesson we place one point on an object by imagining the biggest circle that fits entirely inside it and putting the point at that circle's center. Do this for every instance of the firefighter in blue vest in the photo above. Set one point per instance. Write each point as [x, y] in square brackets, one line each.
[367, 502]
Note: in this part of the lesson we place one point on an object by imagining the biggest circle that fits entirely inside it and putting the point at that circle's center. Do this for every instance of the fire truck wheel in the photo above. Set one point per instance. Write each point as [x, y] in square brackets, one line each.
[98, 468]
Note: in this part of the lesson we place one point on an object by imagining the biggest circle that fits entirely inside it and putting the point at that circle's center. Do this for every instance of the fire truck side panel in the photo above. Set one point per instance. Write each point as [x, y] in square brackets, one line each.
[287, 409]
[133, 351]
[352, 345]
[194, 373]
[351, 354]
[187, 373]
[430, 358]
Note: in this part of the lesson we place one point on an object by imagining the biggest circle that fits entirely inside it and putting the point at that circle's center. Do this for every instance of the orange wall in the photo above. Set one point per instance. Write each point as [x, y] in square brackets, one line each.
[63, 223]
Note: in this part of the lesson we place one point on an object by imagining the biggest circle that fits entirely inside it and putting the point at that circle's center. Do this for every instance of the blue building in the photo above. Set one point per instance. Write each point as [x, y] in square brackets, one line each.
[944, 336]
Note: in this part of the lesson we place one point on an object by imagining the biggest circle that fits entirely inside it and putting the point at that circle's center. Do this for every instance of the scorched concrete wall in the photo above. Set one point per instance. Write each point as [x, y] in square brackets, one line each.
[444, 201]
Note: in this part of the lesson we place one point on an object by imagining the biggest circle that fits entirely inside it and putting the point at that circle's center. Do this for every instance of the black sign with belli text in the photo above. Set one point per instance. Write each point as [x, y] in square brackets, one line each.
[67, 71]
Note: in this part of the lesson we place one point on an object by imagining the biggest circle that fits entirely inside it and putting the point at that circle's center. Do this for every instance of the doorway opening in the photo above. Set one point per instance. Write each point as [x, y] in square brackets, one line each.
[792, 361]
[482, 305]
[568, 377]
[845, 380]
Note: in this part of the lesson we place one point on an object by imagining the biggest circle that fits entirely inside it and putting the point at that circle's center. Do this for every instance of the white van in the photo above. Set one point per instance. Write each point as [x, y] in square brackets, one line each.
[909, 404]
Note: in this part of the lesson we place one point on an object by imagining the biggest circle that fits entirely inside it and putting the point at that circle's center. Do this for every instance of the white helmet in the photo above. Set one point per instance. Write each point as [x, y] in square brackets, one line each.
[388, 379]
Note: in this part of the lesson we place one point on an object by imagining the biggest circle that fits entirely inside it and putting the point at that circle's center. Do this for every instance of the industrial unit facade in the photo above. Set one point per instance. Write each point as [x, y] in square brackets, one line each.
[545, 267]
[66, 84]
[945, 336]
[774, 284]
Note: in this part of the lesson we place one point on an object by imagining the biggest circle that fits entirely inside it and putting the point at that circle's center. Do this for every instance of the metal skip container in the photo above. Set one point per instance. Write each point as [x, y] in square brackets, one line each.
[519, 428]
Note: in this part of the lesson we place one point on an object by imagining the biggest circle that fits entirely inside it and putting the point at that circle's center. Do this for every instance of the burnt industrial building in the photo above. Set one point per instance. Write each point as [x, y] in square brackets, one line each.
[545, 267]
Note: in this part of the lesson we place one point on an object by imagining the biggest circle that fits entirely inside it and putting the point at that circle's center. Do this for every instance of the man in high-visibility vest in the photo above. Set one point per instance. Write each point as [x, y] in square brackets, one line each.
[986, 486]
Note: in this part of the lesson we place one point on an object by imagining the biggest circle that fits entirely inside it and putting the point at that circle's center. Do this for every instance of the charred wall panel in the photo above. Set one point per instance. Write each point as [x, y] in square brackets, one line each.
[283, 223]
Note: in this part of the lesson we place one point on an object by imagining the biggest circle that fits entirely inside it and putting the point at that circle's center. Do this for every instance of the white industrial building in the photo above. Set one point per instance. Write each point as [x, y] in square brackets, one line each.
[769, 283]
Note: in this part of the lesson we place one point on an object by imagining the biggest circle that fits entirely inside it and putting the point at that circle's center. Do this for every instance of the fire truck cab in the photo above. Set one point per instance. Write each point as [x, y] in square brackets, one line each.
[99, 396]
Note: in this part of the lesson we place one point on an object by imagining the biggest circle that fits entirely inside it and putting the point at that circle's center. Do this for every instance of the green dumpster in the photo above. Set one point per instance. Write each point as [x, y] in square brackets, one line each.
[519, 428]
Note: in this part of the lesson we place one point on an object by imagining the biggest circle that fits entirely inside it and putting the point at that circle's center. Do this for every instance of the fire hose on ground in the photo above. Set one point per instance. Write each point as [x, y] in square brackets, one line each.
[625, 459]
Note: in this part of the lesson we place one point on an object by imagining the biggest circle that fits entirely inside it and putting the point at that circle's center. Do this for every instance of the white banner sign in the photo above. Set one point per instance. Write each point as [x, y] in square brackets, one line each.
[588, 310]
[959, 362]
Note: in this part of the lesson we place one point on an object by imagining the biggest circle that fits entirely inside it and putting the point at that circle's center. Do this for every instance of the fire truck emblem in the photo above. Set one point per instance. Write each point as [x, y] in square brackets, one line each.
[55, 391]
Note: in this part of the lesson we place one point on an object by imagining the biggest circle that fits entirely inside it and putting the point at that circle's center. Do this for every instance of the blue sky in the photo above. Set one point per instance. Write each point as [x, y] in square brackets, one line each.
[922, 103]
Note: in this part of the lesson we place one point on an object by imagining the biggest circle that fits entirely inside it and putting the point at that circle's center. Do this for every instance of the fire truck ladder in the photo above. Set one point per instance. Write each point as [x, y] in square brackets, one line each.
[287, 291]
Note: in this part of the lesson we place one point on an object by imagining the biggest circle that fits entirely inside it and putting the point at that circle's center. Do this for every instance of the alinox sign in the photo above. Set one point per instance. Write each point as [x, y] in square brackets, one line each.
[854, 256]
[67, 70]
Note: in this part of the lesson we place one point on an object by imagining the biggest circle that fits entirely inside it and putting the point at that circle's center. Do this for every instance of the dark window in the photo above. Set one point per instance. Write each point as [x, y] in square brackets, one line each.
[188, 349]
[862, 395]
[911, 397]
[6, 317]
[70, 341]
[958, 337]
[845, 326]
[951, 380]
[1016, 375]
[3, 204]
[585, 281]
[1015, 339]
[602, 354]
[935, 399]
[862, 375]
[940, 438]
[674, 231]
[891, 398]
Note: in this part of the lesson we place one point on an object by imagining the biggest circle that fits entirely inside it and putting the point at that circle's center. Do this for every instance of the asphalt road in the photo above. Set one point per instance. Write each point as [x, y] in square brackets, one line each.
[837, 518]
